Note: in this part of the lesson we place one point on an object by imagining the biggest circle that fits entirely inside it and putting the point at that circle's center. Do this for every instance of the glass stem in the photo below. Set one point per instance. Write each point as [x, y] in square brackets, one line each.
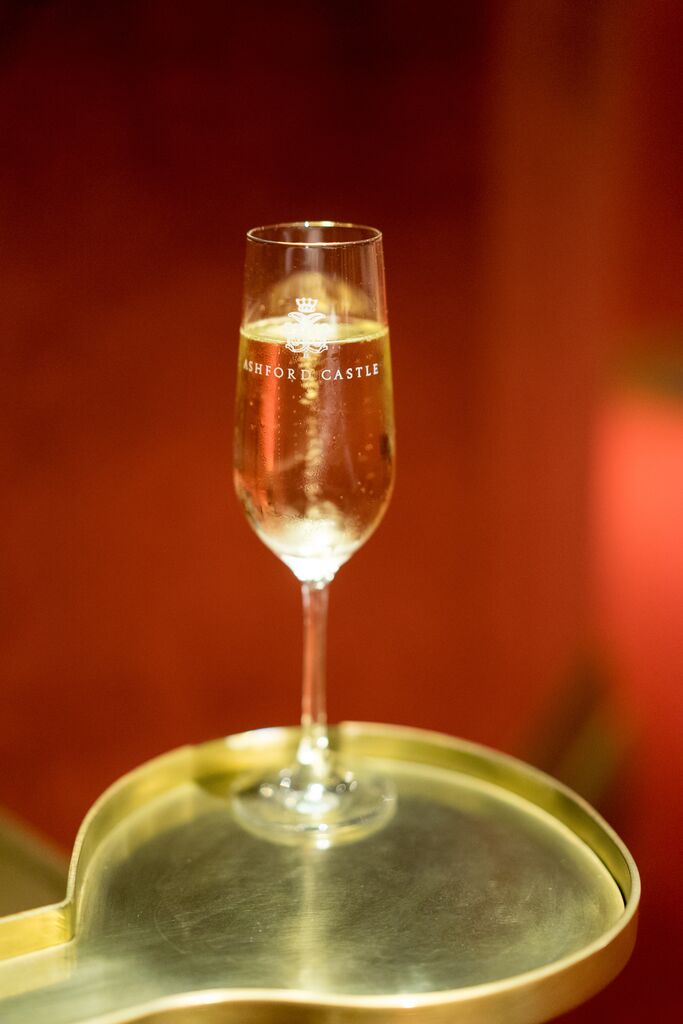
[313, 754]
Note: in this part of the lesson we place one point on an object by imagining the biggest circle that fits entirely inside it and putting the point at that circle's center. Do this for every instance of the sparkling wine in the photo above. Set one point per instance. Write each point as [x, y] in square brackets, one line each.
[314, 442]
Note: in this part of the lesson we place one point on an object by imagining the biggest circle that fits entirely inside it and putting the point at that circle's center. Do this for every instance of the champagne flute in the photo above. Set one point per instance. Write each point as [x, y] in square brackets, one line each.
[314, 470]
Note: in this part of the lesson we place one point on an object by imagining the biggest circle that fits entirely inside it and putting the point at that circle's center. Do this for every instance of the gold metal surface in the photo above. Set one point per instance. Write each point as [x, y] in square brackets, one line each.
[494, 895]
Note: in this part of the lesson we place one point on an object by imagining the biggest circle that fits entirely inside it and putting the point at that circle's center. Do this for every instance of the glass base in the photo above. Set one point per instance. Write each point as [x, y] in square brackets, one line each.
[296, 805]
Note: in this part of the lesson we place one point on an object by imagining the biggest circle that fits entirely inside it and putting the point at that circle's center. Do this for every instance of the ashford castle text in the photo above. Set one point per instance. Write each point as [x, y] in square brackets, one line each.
[305, 373]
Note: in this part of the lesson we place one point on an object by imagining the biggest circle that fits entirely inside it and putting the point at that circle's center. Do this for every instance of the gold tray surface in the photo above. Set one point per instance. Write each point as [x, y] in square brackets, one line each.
[494, 894]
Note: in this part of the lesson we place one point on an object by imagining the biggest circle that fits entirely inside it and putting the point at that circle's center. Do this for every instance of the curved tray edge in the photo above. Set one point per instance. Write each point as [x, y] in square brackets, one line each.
[534, 996]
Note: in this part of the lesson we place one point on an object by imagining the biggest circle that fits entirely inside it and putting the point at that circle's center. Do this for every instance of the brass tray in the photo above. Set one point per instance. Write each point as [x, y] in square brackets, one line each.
[493, 895]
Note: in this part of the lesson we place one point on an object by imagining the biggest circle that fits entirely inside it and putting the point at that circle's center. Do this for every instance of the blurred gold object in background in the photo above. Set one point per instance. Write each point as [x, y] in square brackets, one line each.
[32, 870]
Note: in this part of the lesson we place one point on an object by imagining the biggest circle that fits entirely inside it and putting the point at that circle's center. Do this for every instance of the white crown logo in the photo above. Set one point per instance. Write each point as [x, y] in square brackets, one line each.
[304, 335]
[306, 305]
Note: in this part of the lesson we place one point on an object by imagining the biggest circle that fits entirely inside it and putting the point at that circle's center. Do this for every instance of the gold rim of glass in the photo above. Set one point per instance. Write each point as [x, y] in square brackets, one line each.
[265, 232]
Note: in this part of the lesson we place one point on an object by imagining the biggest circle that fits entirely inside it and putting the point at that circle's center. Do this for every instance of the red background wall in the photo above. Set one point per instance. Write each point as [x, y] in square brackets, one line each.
[525, 589]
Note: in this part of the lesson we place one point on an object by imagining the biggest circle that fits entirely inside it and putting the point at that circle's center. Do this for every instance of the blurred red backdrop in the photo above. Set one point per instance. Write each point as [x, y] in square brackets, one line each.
[526, 587]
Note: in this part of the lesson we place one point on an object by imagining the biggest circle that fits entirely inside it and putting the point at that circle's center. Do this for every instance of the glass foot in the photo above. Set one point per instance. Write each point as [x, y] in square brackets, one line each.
[294, 805]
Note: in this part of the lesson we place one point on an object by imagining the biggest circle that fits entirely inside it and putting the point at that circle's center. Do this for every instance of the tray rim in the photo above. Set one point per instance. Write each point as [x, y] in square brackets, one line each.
[552, 989]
